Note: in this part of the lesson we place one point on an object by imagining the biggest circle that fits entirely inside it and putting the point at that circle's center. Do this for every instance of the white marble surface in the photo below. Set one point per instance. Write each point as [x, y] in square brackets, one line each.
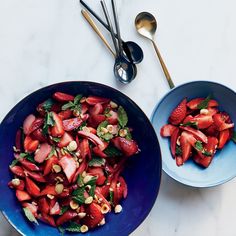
[47, 41]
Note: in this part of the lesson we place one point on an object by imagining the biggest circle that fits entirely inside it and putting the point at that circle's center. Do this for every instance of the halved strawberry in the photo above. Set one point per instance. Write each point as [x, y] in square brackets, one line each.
[211, 145]
[173, 140]
[31, 187]
[123, 186]
[57, 130]
[84, 108]
[96, 109]
[29, 165]
[212, 130]
[65, 114]
[68, 165]
[43, 205]
[112, 117]
[33, 208]
[93, 100]
[49, 189]
[65, 140]
[179, 113]
[179, 160]
[212, 111]
[82, 167]
[185, 147]
[98, 172]
[167, 130]
[42, 153]
[193, 104]
[189, 137]
[22, 195]
[223, 138]
[101, 197]
[197, 133]
[53, 160]
[38, 122]
[47, 219]
[84, 149]
[63, 97]
[94, 215]
[66, 217]
[30, 145]
[29, 120]
[38, 135]
[95, 120]
[221, 121]
[71, 124]
[205, 162]
[17, 184]
[187, 119]
[17, 170]
[18, 143]
[54, 208]
[36, 176]
[203, 121]
[98, 152]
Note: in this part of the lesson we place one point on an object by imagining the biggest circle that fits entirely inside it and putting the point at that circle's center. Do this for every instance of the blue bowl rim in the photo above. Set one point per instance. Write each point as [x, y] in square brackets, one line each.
[185, 182]
[127, 98]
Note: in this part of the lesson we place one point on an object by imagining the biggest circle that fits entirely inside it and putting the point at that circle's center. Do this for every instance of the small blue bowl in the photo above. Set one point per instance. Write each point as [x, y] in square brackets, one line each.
[143, 172]
[222, 168]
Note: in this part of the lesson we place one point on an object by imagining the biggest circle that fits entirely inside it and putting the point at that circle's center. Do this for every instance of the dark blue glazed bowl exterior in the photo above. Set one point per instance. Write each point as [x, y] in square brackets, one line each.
[222, 168]
[143, 172]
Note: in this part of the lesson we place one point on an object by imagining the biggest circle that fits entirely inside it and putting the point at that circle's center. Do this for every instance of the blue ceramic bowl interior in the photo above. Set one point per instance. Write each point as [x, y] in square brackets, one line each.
[223, 165]
[143, 171]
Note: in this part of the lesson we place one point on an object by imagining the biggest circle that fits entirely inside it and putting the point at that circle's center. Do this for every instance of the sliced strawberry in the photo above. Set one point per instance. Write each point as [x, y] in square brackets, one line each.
[53, 160]
[22, 195]
[193, 104]
[92, 137]
[42, 153]
[189, 137]
[98, 172]
[33, 208]
[93, 216]
[123, 186]
[17, 184]
[38, 135]
[57, 130]
[185, 147]
[63, 97]
[179, 160]
[18, 143]
[203, 121]
[95, 120]
[66, 217]
[30, 145]
[205, 162]
[84, 149]
[92, 130]
[29, 165]
[55, 209]
[68, 165]
[212, 111]
[167, 130]
[223, 138]
[173, 140]
[82, 167]
[71, 124]
[93, 100]
[179, 113]
[97, 109]
[48, 219]
[112, 118]
[49, 189]
[212, 131]
[29, 120]
[65, 114]
[211, 145]
[31, 187]
[17, 170]
[221, 120]
[97, 151]
[187, 119]
[43, 205]
[38, 122]
[101, 197]
[65, 140]
[84, 108]
[35, 176]
[197, 133]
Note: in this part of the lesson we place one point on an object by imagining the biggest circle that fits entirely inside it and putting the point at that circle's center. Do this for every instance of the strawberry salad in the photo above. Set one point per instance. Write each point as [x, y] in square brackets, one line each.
[69, 156]
[197, 129]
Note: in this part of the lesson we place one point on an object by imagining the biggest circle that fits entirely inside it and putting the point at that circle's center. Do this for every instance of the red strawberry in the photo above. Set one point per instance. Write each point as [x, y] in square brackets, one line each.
[65, 114]
[167, 130]
[205, 162]
[197, 133]
[42, 153]
[221, 120]
[93, 100]
[71, 124]
[98, 152]
[173, 140]
[33, 208]
[93, 216]
[203, 121]
[17, 170]
[53, 160]
[124, 186]
[94, 138]
[212, 111]
[38, 135]
[17, 184]
[66, 217]
[28, 123]
[65, 140]
[31, 187]
[193, 104]
[212, 131]
[22, 195]
[223, 138]
[38, 122]
[179, 113]
[29, 165]
[185, 147]
[112, 118]
[84, 149]
[211, 145]
[101, 197]
[68, 165]
[97, 109]
[179, 160]
[187, 119]
[37, 177]
[82, 167]
[43, 205]
[98, 172]
[84, 108]
[55, 208]
[189, 137]
[30, 145]
[18, 139]
[48, 219]
[128, 147]
[63, 97]
[95, 120]
[49, 189]
[57, 130]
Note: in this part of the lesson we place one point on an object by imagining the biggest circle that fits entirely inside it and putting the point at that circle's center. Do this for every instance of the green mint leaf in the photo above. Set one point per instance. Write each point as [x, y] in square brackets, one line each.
[30, 215]
[67, 106]
[77, 98]
[190, 123]
[107, 136]
[111, 195]
[92, 190]
[78, 195]
[77, 108]
[97, 161]
[204, 103]
[199, 146]
[178, 151]
[73, 227]
[234, 137]
[56, 139]
[47, 105]
[61, 230]
[49, 121]
[112, 151]
[80, 180]
[92, 181]
[63, 210]
[104, 124]
[107, 112]
[128, 135]
[14, 162]
[206, 153]
[122, 117]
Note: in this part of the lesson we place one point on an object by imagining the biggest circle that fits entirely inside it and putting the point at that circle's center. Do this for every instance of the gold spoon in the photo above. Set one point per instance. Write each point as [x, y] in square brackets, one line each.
[95, 28]
[146, 25]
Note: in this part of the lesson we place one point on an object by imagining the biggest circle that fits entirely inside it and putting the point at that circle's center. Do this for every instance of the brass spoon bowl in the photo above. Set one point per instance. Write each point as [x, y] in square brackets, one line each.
[146, 25]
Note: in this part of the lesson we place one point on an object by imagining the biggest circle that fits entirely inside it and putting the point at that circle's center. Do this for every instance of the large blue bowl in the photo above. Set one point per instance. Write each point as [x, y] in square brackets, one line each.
[143, 172]
[223, 165]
